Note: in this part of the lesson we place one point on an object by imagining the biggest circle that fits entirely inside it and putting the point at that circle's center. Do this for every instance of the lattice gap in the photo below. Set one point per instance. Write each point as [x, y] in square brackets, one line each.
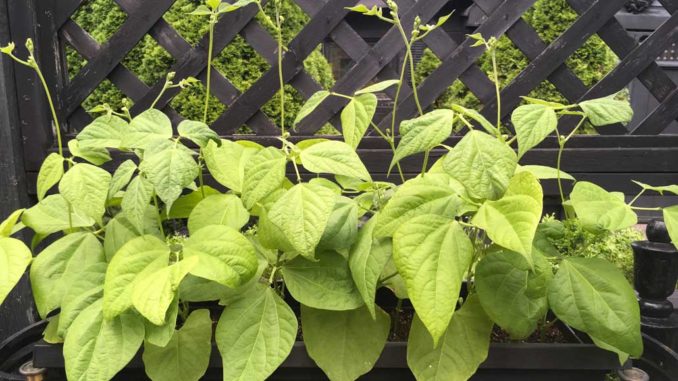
[101, 29]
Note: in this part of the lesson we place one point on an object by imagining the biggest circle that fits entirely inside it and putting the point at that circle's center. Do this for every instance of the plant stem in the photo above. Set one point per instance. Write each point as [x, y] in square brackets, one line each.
[397, 97]
[425, 165]
[648, 209]
[208, 81]
[393, 148]
[497, 88]
[561, 143]
[162, 91]
[281, 79]
[637, 197]
[159, 218]
[201, 181]
[296, 170]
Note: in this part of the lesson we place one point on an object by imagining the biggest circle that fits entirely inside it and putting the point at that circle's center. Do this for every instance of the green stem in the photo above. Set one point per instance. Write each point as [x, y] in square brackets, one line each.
[637, 197]
[648, 209]
[425, 165]
[497, 88]
[162, 91]
[386, 278]
[210, 49]
[159, 218]
[35, 66]
[281, 79]
[561, 143]
[296, 170]
[397, 97]
[201, 181]
[393, 148]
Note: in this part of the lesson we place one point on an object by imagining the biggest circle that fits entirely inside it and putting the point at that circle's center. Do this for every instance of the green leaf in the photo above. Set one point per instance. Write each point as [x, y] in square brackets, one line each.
[227, 162]
[604, 111]
[134, 261]
[314, 101]
[599, 209]
[483, 164]
[415, 198]
[344, 344]
[136, 200]
[185, 204]
[86, 187]
[186, 356]
[378, 87]
[342, 227]
[264, 173]
[423, 134]
[255, 334]
[511, 222]
[533, 123]
[7, 226]
[356, 118]
[153, 294]
[432, 254]
[56, 268]
[120, 230]
[324, 284]
[121, 177]
[476, 116]
[51, 171]
[201, 10]
[335, 157]
[15, 257]
[221, 209]
[84, 290]
[104, 132]
[659, 189]
[671, 220]
[544, 173]
[512, 295]
[226, 256]
[96, 156]
[160, 335]
[198, 132]
[302, 214]
[96, 349]
[147, 129]
[52, 215]
[170, 171]
[462, 349]
[553, 105]
[592, 295]
[367, 260]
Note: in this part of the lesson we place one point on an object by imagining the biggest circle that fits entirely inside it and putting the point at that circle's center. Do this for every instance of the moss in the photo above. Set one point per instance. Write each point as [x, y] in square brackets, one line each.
[238, 62]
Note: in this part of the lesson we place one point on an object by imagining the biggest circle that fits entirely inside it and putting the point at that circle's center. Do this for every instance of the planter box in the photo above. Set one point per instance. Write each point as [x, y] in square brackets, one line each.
[506, 362]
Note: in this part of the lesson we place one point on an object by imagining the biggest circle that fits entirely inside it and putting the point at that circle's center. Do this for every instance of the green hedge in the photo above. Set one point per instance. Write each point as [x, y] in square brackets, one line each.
[549, 18]
[238, 61]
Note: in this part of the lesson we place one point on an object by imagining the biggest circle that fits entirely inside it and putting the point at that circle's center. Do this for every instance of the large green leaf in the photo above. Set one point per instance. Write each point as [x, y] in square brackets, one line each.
[415, 198]
[51, 171]
[324, 284]
[160, 335]
[147, 129]
[463, 347]
[378, 87]
[52, 215]
[604, 111]
[57, 267]
[342, 227]
[659, 189]
[302, 214]
[544, 173]
[671, 220]
[8, 226]
[255, 334]
[184, 205]
[104, 132]
[170, 171]
[221, 209]
[592, 295]
[186, 356]
[198, 132]
[533, 123]
[86, 289]
[423, 133]
[264, 173]
[512, 295]
[153, 294]
[483, 164]
[119, 231]
[86, 187]
[344, 344]
[96, 349]
[356, 118]
[367, 260]
[226, 256]
[334, 157]
[432, 254]
[314, 101]
[599, 209]
[121, 177]
[15, 257]
[511, 222]
[135, 260]
[96, 156]
[136, 200]
[227, 163]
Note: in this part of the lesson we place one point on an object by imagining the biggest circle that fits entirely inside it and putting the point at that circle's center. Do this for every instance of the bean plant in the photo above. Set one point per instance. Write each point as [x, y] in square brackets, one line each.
[133, 253]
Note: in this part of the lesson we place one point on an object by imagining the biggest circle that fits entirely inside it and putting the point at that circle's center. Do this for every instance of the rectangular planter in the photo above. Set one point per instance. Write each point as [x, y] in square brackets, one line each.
[505, 362]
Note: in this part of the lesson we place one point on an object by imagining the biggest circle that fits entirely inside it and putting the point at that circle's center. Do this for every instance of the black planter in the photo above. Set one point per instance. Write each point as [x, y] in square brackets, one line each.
[17, 349]
[506, 362]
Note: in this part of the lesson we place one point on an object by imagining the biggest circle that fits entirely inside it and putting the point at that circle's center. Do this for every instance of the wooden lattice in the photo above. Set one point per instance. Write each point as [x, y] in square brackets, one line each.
[645, 156]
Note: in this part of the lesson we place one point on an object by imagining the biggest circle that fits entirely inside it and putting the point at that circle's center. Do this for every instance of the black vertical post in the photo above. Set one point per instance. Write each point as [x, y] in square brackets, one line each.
[17, 311]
